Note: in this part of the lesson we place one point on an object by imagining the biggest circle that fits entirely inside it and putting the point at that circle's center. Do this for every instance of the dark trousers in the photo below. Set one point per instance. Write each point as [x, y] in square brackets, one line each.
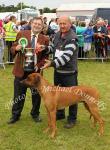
[19, 98]
[98, 50]
[67, 80]
[9, 45]
[101, 51]
[80, 52]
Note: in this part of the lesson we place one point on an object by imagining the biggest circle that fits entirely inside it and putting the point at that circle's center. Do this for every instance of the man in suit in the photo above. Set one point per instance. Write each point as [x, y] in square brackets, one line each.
[35, 39]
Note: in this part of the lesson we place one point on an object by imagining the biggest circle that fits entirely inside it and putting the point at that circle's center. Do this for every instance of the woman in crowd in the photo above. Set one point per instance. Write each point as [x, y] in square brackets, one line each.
[79, 31]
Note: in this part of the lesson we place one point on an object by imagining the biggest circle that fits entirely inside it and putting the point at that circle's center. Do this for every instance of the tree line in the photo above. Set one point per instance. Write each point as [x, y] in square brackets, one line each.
[12, 8]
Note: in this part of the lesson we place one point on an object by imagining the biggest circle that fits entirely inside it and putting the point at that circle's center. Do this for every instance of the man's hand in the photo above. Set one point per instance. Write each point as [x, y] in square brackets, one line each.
[40, 48]
[18, 47]
[47, 64]
[108, 36]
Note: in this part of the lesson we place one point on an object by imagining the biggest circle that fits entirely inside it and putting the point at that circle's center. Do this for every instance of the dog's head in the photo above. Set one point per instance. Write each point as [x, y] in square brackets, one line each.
[33, 80]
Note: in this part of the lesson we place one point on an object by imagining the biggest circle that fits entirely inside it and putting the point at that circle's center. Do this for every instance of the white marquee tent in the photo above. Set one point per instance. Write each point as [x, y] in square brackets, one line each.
[80, 9]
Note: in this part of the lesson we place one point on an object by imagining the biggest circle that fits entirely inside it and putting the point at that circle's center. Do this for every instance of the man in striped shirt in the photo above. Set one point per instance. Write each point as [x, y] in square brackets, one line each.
[64, 49]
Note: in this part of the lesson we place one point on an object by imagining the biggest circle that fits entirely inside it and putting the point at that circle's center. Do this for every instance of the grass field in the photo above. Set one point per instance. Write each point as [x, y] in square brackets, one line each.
[27, 135]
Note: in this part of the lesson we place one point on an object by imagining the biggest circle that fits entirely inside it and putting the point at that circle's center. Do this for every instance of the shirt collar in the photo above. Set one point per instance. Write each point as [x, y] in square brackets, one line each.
[66, 35]
[34, 34]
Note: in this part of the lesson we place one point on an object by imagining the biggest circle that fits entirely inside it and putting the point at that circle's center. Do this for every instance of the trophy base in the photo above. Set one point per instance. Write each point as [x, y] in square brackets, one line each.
[29, 68]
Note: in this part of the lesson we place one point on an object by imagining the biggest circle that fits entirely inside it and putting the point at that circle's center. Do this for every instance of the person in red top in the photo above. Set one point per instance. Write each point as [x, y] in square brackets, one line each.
[1, 43]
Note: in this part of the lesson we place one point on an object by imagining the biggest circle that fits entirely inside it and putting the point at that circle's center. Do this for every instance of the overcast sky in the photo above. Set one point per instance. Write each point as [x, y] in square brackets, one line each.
[46, 3]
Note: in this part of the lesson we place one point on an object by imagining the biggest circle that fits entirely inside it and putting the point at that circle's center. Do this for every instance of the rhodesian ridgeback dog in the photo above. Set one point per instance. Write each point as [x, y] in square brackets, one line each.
[56, 97]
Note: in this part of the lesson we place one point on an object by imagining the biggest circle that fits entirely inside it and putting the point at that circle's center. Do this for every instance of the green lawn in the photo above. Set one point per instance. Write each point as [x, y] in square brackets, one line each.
[27, 135]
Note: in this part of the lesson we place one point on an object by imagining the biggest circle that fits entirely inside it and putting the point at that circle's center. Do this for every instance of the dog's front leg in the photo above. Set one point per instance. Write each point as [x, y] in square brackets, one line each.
[53, 123]
[49, 122]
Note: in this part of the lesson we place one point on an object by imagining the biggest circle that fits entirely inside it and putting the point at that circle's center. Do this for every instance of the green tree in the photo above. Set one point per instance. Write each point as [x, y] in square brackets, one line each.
[46, 10]
[19, 5]
[53, 10]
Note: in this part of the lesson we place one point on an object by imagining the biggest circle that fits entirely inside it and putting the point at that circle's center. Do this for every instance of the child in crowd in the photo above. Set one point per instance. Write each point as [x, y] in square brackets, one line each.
[88, 37]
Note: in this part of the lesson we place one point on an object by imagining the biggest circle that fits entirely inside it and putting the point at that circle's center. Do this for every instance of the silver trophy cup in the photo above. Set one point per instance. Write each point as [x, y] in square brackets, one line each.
[29, 61]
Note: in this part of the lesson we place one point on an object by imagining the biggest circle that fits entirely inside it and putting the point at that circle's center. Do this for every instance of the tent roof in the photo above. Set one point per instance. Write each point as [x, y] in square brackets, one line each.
[82, 6]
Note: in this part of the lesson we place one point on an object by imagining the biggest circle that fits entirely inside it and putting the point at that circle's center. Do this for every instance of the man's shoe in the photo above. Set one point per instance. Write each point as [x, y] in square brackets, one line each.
[69, 125]
[37, 119]
[13, 120]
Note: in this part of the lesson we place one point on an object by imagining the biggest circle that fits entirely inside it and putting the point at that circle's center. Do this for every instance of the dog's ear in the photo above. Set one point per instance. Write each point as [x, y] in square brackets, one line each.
[37, 80]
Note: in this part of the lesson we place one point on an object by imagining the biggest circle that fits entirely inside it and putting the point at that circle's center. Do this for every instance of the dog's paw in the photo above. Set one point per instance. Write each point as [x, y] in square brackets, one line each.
[100, 134]
[52, 136]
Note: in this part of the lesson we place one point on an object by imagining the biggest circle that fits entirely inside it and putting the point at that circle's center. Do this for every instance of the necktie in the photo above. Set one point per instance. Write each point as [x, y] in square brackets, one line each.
[33, 42]
[33, 46]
